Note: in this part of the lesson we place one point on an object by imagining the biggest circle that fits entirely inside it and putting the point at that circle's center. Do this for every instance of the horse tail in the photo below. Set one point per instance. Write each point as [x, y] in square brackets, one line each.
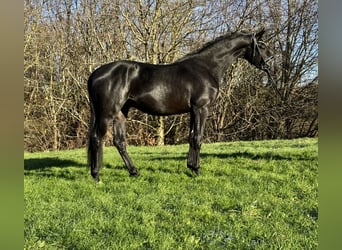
[91, 134]
[94, 151]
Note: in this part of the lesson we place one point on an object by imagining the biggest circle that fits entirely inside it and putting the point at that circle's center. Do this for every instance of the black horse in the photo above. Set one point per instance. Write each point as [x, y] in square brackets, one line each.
[189, 85]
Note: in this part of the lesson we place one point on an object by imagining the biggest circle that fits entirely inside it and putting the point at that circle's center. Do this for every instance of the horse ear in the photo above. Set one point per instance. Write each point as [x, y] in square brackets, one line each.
[260, 33]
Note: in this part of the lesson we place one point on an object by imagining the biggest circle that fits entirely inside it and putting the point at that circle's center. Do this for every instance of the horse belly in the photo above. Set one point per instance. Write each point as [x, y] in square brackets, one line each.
[163, 103]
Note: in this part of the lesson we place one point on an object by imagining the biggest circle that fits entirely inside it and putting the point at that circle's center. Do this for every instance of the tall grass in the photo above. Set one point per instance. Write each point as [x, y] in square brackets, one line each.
[251, 195]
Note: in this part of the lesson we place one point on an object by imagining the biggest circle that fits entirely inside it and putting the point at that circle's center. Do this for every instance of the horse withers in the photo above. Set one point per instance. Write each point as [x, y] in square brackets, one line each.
[189, 85]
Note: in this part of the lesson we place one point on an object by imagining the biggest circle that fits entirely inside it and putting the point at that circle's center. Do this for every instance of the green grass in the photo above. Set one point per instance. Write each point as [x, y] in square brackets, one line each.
[251, 195]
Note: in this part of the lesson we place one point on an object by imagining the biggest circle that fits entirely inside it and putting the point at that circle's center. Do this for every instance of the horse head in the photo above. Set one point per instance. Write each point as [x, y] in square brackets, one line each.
[259, 54]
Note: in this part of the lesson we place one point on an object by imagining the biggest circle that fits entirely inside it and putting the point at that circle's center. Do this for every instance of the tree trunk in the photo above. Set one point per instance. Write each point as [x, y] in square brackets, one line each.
[161, 132]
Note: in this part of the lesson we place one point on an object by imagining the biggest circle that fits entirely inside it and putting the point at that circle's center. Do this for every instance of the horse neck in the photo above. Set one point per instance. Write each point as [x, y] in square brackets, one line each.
[221, 56]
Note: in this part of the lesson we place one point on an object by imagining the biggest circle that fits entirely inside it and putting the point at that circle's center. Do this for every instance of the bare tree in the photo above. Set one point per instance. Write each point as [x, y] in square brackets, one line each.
[65, 40]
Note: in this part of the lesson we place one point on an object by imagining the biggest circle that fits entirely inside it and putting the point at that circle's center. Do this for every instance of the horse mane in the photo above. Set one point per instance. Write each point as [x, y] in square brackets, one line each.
[210, 44]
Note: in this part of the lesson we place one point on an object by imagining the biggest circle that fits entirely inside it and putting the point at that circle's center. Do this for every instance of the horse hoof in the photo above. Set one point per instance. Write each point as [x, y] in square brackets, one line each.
[134, 173]
[95, 176]
[197, 171]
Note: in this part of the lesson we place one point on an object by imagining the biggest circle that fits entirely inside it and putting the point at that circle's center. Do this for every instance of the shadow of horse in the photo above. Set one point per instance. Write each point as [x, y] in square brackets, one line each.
[235, 155]
[46, 167]
[47, 162]
[42, 166]
[257, 156]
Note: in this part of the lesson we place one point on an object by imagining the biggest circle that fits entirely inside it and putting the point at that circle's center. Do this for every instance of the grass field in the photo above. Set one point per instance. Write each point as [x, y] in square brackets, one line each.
[251, 195]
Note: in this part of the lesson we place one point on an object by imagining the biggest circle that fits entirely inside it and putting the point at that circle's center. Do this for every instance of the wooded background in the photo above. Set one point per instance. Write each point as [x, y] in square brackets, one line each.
[65, 40]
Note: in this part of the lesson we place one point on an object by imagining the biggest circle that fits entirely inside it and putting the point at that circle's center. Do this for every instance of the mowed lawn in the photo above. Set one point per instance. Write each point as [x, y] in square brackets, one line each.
[250, 195]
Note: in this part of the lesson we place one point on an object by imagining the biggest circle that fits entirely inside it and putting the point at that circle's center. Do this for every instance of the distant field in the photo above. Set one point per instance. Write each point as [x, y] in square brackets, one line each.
[251, 195]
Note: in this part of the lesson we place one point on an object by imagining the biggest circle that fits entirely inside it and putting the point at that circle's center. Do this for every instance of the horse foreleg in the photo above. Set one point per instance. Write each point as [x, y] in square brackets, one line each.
[120, 142]
[197, 124]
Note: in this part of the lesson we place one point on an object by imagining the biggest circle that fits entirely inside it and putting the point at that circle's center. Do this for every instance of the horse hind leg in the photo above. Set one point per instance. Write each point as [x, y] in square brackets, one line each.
[119, 131]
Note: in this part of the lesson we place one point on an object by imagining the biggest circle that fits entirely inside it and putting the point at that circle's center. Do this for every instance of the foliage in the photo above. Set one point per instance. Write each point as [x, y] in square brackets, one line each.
[251, 195]
[64, 41]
